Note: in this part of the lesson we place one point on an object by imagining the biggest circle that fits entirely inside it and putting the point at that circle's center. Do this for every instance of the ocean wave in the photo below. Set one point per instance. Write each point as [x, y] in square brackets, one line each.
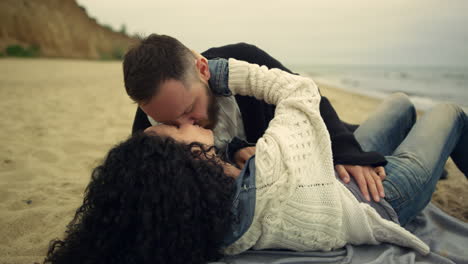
[425, 86]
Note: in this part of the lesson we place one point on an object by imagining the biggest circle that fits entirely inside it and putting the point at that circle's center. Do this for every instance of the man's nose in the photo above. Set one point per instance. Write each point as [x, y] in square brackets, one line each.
[185, 121]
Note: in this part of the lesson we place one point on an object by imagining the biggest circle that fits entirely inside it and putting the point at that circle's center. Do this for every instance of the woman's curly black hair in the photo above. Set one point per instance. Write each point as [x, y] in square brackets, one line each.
[151, 201]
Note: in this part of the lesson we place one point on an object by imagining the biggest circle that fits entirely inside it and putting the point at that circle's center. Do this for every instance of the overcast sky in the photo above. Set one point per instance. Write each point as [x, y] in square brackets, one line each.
[408, 32]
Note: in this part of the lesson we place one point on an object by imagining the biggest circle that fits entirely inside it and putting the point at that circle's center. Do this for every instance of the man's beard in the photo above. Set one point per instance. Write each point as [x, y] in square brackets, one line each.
[213, 110]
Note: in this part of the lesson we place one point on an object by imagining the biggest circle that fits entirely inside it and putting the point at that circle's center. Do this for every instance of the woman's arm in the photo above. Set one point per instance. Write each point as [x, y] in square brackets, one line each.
[297, 136]
[345, 148]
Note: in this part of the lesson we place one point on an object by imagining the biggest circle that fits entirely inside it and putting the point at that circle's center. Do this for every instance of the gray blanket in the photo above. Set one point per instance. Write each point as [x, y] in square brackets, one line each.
[446, 236]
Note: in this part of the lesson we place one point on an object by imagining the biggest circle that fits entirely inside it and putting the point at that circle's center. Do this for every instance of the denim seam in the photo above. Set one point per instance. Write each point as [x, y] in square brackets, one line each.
[413, 158]
[402, 168]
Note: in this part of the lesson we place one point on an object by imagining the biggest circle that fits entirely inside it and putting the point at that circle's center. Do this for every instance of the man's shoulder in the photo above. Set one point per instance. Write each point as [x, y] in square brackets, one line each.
[239, 50]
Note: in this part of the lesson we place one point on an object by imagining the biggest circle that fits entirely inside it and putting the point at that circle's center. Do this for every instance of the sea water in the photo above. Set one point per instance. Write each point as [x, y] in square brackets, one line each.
[426, 85]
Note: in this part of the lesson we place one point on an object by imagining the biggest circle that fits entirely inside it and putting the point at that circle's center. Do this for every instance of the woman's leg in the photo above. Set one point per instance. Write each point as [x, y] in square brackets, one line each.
[388, 126]
[416, 165]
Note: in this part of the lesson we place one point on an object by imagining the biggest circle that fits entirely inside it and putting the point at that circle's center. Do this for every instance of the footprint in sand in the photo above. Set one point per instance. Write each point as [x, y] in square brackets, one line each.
[10, 164]
[9, 160]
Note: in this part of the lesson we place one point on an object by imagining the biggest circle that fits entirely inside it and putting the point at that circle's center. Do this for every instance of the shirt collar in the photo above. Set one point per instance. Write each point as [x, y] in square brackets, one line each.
[219, 77]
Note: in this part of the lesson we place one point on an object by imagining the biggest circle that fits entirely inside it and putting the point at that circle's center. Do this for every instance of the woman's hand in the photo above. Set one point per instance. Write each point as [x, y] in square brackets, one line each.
[368, 179]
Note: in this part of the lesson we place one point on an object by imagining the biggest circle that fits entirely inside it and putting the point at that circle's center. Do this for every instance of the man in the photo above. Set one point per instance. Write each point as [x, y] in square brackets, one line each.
[175, 85]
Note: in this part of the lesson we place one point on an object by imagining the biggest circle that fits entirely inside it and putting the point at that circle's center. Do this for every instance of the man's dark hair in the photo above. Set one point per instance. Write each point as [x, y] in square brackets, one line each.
[152, 200]
[152, 61]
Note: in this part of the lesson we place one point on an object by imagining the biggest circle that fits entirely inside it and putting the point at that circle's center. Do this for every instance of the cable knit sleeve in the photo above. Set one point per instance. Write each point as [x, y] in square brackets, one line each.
[293, 165]
[271, 85]
[297, 119]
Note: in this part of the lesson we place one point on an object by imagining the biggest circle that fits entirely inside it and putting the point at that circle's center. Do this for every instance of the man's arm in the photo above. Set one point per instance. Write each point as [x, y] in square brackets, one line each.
[345, 147]
[245, 52]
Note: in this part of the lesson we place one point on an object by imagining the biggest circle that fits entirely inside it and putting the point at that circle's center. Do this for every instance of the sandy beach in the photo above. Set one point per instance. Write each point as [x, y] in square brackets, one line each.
[60, 117]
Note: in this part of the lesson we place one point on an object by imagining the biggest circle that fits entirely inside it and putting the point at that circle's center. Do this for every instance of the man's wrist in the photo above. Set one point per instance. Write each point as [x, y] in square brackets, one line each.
[234, 146]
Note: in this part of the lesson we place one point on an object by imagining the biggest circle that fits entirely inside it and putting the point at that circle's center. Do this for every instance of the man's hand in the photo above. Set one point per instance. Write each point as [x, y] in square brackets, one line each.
[368, 179]
[242, 155]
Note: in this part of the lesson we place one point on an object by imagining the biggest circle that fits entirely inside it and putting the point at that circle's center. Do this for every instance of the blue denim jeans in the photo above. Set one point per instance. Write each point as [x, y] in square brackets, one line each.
[416, 150]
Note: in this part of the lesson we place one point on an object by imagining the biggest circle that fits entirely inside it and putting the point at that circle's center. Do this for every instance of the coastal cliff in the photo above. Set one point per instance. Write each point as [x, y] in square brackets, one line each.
[58, 28]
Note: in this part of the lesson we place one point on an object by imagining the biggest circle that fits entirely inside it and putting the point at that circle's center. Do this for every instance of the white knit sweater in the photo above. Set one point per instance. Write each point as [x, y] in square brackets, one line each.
[300, 205]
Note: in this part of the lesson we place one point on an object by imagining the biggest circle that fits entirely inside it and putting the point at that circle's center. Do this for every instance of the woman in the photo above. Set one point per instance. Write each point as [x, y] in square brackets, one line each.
[167, 199]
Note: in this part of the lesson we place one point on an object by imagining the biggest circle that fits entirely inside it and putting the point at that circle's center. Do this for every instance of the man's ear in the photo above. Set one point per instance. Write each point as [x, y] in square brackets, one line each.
[203, 68]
